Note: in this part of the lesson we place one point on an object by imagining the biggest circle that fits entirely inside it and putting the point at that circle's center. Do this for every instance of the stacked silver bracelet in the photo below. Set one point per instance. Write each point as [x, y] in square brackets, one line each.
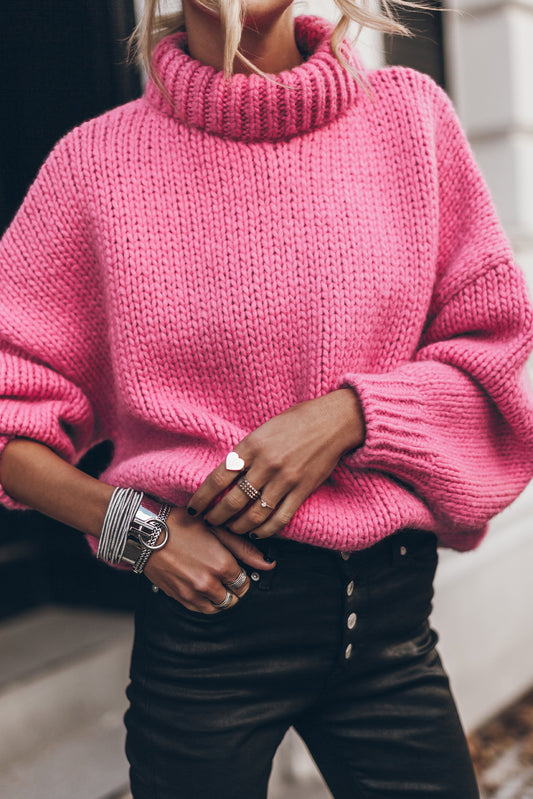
[131, 529]
[123, 505]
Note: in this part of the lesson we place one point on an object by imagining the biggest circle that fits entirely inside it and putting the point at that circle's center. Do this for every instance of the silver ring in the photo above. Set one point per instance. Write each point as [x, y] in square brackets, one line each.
[226, 602]
[248, 488]
[238, 582]
[266, 505]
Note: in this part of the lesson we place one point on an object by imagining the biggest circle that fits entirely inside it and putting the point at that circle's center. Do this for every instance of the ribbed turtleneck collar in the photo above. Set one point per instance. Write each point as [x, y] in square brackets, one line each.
[250, 107]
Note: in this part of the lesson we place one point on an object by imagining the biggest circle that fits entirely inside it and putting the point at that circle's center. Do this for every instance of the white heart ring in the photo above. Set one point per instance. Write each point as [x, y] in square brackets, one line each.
[234, 463]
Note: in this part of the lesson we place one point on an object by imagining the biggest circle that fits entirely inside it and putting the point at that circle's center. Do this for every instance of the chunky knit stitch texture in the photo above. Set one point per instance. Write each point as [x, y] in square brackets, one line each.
[178, 274]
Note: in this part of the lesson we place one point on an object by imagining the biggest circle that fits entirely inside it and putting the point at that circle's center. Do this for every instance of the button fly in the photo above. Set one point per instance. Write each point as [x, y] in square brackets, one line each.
[352, 618]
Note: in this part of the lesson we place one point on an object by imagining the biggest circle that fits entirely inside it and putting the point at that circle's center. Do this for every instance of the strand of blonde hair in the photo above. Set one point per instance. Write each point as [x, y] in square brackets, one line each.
[154, 26]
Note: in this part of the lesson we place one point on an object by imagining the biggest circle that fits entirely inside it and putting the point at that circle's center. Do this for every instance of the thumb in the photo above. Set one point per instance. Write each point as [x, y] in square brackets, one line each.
[242, 548]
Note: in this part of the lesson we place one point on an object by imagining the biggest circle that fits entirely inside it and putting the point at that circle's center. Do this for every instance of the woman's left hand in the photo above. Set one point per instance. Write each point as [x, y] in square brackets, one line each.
[286, 458]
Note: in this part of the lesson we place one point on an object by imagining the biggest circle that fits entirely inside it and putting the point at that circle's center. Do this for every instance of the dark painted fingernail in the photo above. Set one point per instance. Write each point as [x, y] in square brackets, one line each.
[268, 559]
[192, 511]
[254, 536]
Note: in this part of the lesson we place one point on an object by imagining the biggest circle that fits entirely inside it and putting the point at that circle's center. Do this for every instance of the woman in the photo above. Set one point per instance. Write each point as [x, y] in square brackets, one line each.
[287, 300]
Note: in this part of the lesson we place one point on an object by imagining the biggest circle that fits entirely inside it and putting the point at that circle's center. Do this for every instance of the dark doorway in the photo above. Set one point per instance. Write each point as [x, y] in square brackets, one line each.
[425, 50]
[62, 62]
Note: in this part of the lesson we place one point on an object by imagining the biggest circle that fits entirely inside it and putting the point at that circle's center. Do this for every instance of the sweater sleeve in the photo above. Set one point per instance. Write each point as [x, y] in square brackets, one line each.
[454, 425]
[53, 360]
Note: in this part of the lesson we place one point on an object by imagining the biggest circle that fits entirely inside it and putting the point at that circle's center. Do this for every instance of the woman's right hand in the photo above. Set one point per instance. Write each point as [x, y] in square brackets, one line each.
[198, 561]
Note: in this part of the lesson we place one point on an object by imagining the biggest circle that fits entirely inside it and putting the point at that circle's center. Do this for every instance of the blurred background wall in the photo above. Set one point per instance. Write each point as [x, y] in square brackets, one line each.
[61, 62]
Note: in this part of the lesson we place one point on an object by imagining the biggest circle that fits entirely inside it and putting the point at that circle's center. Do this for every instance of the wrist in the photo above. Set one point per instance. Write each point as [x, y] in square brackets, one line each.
[94, 520]
[348, 419]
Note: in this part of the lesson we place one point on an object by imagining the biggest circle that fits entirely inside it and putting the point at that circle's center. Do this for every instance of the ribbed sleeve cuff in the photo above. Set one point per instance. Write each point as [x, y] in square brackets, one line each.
[395, 432]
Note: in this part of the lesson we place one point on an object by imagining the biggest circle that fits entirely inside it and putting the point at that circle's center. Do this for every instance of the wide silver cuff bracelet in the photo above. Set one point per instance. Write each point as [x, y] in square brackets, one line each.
[145, 529]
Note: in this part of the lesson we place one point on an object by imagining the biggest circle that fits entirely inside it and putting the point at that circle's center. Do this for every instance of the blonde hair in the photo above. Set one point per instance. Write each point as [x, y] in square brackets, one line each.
[154, 26]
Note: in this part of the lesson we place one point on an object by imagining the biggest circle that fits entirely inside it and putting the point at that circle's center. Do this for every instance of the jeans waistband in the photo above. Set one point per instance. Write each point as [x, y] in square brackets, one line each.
[385, 551]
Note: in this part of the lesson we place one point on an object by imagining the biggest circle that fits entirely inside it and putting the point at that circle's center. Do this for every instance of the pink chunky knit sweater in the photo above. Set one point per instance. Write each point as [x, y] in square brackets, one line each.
[179, 274]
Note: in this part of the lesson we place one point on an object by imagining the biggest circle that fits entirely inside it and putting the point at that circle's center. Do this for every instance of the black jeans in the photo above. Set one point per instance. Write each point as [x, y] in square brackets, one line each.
[340, 649]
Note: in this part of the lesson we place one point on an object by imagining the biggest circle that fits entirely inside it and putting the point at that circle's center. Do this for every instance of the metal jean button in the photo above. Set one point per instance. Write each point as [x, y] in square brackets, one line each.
[352, 618]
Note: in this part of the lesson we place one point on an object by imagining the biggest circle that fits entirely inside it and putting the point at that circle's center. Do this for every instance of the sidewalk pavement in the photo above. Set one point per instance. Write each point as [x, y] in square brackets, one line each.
[502, 751]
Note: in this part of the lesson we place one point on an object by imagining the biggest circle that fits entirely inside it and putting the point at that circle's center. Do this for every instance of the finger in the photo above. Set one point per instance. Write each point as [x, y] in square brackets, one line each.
[257, 513]
[281, 517]
[222, 597]
[208, 591]
[240, 592]
[243, 549]
[214, 484]
[205, 607]
[188, 598]
[235, 500]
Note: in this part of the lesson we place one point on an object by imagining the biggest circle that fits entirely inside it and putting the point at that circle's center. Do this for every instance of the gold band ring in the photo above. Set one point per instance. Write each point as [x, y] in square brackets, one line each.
[266, 505]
